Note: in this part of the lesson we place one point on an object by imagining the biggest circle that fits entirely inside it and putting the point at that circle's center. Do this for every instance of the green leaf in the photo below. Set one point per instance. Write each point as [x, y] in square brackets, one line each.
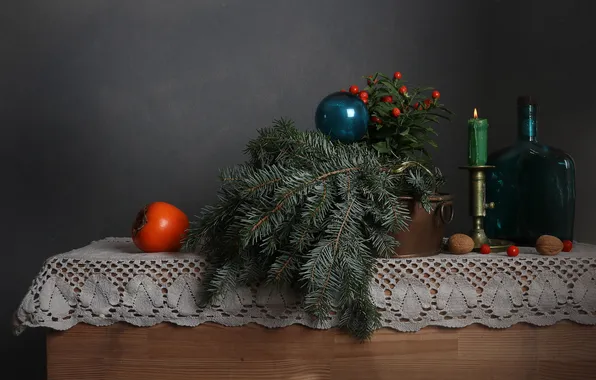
[382, 147]
[441, 107]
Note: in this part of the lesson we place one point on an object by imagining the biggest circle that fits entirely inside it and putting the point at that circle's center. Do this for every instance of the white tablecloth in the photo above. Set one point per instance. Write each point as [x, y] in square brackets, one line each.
[110, 281]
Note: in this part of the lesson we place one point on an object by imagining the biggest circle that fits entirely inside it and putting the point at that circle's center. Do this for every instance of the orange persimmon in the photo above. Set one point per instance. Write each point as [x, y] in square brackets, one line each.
[159, 227]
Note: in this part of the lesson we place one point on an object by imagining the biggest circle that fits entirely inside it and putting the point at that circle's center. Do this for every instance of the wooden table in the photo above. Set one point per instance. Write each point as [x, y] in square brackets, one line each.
[565, 351]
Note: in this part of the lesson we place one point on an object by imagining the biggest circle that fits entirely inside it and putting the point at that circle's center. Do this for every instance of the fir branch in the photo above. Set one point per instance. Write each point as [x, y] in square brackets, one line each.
[310, 213]
[219, 279]
[287, 196]
[343, 224]
[280, 269]
[315, 210]
[381, 242]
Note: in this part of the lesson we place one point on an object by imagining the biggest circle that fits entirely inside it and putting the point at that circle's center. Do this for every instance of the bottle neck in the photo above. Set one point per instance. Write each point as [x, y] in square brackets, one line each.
[527, 122]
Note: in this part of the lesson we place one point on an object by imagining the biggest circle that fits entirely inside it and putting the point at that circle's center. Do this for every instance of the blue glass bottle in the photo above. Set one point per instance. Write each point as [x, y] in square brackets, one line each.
[532, 185]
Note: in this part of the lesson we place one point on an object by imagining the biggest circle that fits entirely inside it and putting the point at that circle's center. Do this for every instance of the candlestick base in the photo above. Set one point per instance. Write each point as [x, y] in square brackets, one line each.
[479, 237]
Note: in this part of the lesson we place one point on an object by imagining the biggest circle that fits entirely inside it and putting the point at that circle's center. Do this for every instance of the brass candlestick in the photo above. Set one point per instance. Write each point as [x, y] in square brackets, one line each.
[478, 208]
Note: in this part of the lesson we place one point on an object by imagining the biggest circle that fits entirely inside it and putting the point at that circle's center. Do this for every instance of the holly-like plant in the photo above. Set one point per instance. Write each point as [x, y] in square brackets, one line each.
[401, 118]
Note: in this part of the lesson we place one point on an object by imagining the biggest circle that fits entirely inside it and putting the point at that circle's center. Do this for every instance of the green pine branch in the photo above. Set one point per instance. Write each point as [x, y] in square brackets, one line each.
[310, 213]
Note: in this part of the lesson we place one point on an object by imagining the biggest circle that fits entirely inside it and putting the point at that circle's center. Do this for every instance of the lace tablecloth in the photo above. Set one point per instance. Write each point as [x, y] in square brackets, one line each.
[110, 281]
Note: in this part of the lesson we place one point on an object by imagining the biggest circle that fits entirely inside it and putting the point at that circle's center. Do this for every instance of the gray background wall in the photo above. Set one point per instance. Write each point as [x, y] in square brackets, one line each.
[107, 105]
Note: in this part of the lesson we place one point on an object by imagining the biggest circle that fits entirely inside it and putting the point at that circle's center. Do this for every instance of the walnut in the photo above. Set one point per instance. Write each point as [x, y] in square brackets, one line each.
[460, 244]
[549, 245]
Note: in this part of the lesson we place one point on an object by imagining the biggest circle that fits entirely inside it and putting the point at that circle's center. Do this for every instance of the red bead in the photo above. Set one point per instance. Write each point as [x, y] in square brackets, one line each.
[403, 90]
[396, 112]
[363, 95]
[567, 246]
[512, 251]
[376, 120]
[354, 89]
[427, 103]
[387, 99]
[485, 249]
[436, 94]
[397, 75]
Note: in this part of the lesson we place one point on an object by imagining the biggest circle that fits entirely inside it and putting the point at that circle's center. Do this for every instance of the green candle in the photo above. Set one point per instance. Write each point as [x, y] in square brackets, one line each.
[477, 140]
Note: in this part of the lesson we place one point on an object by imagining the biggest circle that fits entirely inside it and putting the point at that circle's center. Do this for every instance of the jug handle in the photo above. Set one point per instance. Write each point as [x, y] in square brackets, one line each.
[446, 212]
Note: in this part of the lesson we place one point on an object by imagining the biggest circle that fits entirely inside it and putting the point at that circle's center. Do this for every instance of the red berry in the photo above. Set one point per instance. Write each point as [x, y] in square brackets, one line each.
[567, 245]
[364, 100]
[376, 120]
[427, 103]
[512, 251]
[485, 249]
[396, 112]
[416, 105]
[354, 89]
[363, 95]
[436, 94]
[387, 99]
[397, 75]
[403, 90]
[342, 90]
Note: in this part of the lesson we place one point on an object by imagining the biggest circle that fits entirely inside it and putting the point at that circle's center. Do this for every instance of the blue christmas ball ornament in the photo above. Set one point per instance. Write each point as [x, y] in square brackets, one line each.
[342, 116]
